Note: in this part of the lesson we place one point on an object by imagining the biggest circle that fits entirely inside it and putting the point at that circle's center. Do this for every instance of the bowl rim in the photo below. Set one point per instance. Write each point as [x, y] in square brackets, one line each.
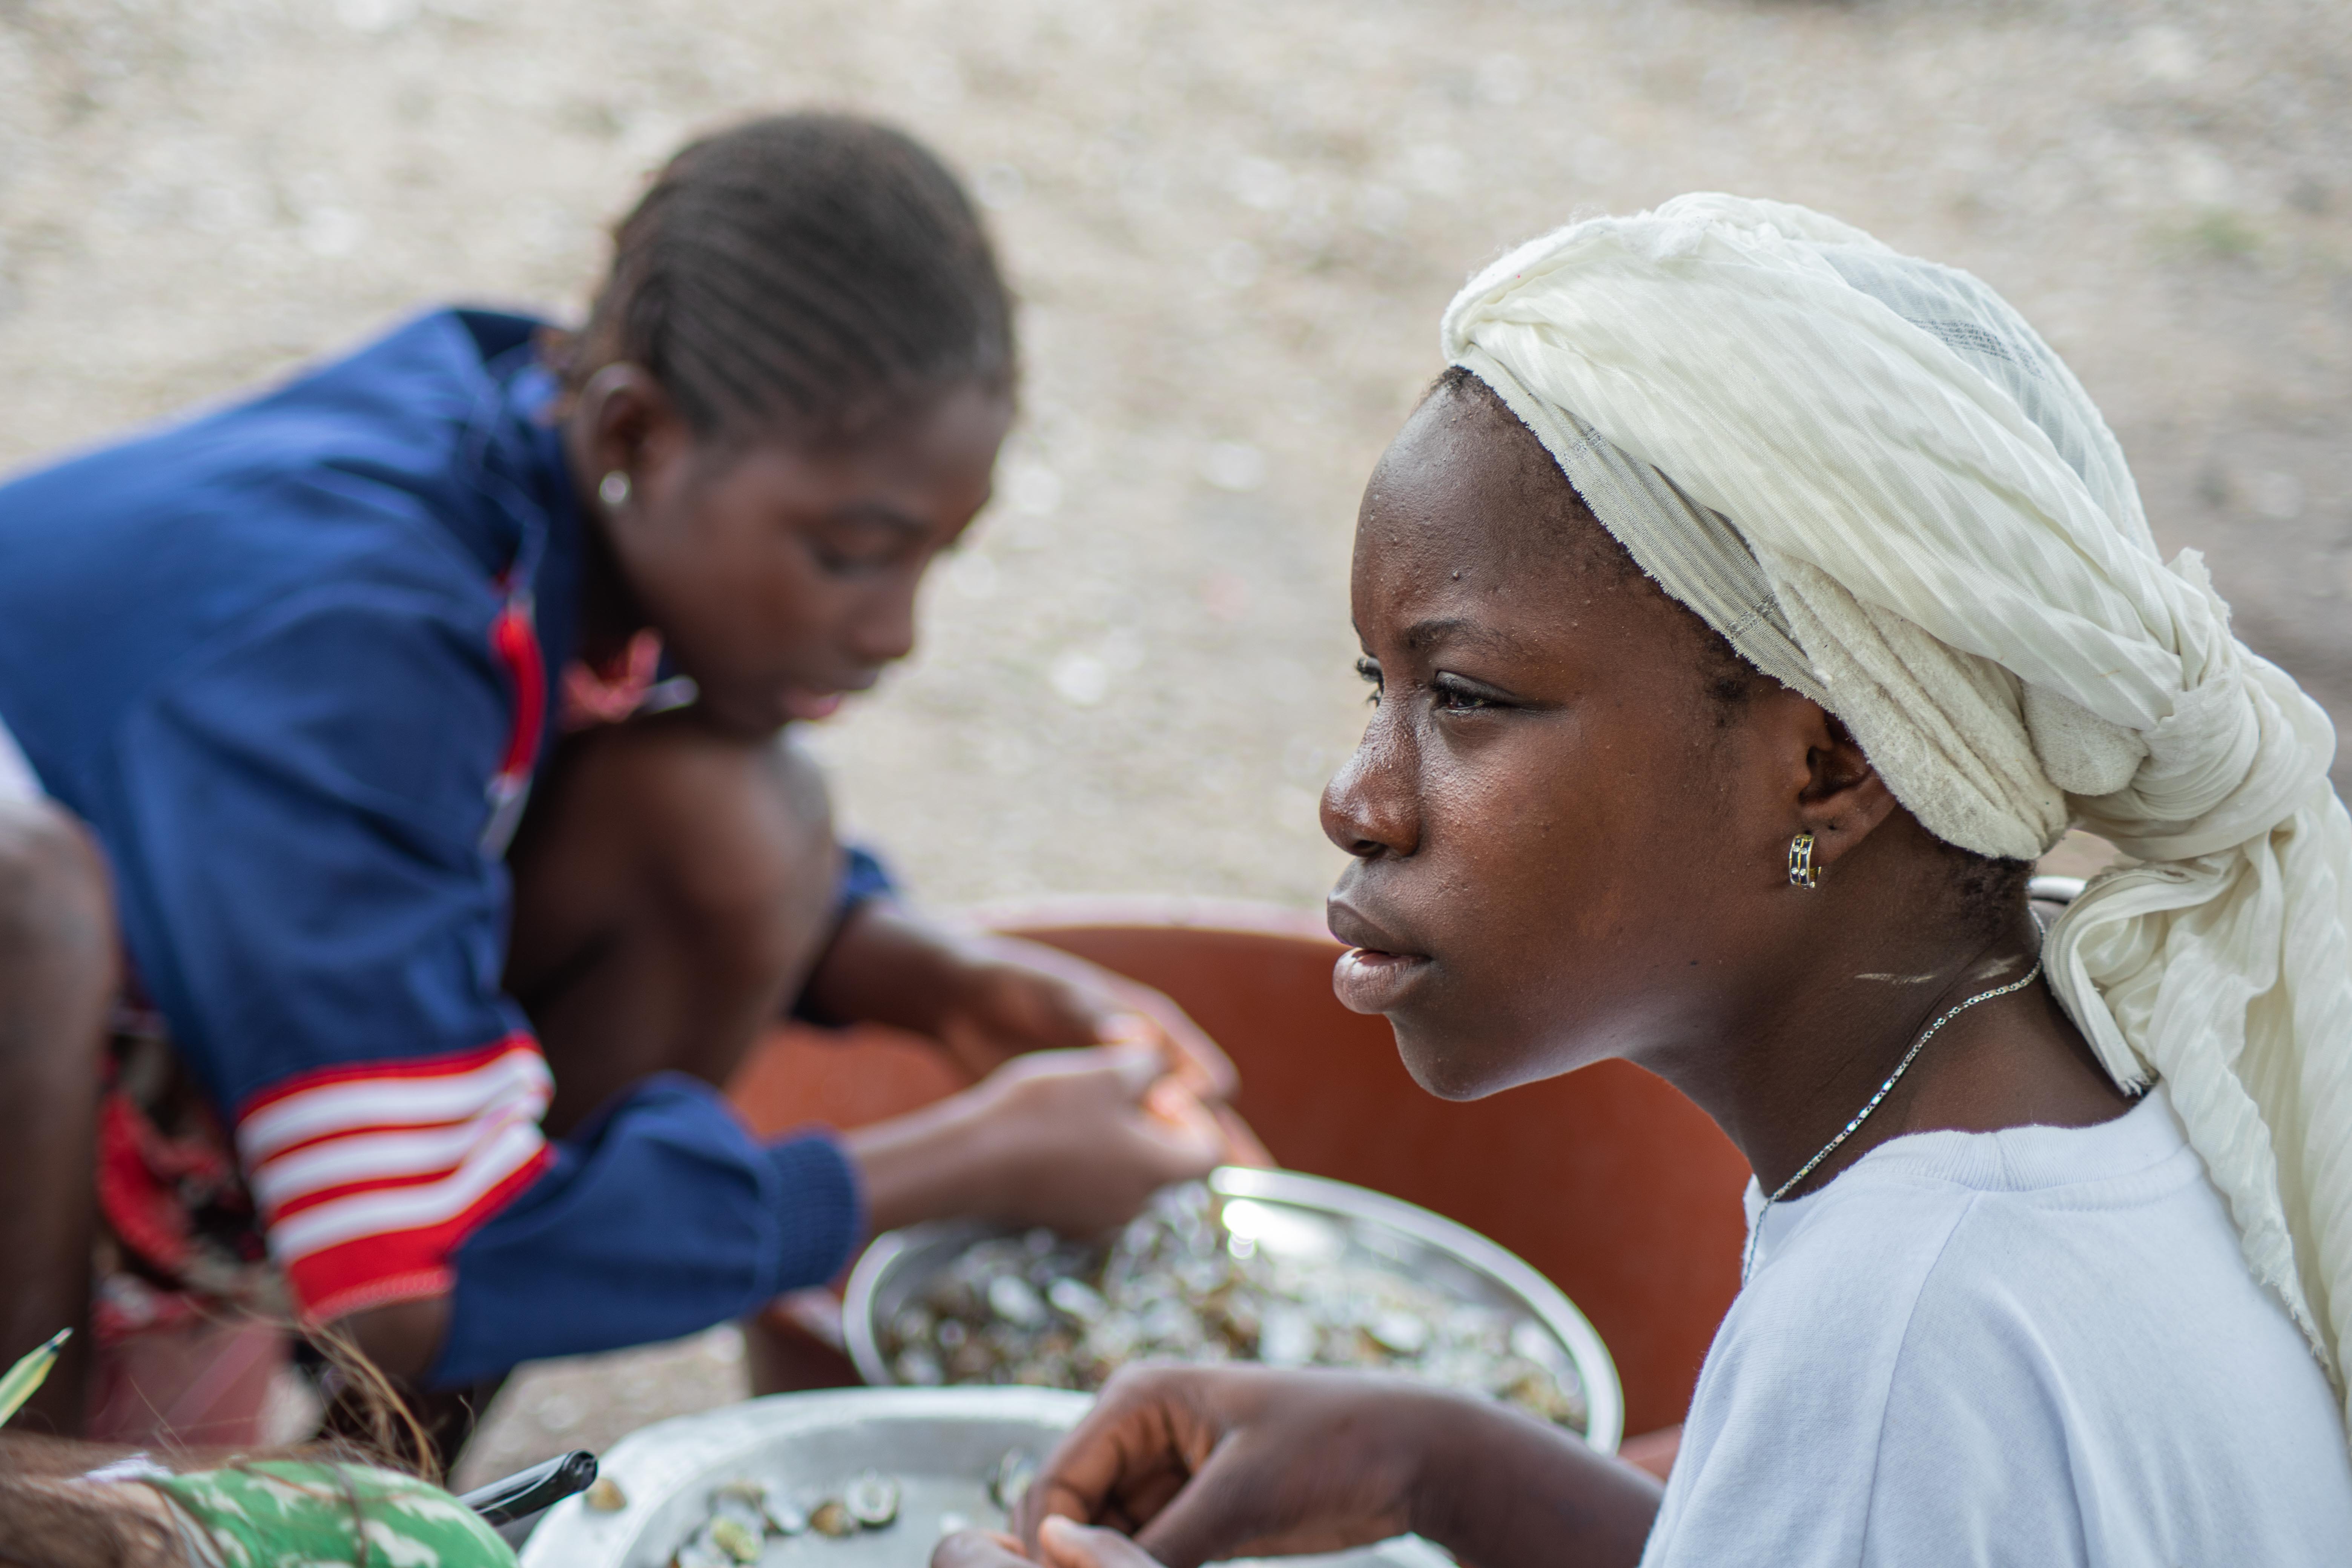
[1604, 1395]
[655, 1463]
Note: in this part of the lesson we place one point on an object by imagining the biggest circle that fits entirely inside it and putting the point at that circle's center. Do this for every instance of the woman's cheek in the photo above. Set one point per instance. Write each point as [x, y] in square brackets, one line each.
[1524, 845]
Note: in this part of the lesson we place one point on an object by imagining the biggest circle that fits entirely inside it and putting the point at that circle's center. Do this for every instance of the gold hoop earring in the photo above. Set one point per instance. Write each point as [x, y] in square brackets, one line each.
[1802, 873]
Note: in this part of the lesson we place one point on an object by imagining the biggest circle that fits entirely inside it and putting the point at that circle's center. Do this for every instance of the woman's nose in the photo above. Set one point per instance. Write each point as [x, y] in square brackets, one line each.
[884, 632]
[1369, 807]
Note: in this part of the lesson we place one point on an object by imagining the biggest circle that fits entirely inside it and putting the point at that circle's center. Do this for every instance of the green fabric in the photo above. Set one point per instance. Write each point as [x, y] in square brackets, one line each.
[296, 1514]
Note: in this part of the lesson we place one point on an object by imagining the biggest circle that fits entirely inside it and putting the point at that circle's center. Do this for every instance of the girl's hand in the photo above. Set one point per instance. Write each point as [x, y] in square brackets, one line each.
[987, 999]
[1075, 1140]
[1060, 1544]
[1080, 1140]
[1007, 998]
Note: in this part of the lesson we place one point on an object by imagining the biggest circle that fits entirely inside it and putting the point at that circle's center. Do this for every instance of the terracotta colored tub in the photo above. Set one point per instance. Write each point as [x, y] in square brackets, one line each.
[1607, 1181]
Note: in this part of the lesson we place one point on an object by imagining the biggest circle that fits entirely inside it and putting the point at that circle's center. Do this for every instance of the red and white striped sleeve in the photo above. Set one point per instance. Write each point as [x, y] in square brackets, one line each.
[369, 1177]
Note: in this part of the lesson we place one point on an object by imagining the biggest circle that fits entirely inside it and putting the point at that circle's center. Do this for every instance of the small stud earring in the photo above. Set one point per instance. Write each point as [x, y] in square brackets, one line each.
[1801, 870]
[613, 490]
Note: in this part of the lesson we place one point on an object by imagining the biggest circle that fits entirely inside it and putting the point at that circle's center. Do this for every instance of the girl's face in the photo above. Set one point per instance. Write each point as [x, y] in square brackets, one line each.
[1564, 851]
[783, 579]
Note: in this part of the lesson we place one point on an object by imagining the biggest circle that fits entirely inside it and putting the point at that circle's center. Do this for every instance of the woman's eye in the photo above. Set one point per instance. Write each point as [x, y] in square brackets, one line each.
[854, 560]
[858, 547]
[1454, 698]
[1371, 674]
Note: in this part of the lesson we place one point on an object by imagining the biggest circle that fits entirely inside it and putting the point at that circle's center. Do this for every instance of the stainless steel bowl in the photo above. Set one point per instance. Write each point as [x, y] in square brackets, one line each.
[940, 1443]
[1287, 1214]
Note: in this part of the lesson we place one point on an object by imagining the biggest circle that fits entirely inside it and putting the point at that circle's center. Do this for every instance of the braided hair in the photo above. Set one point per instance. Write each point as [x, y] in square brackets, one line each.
[816, 272]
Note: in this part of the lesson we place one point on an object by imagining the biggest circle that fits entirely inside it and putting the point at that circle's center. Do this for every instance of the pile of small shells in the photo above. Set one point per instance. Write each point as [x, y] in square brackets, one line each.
[1043, 1310]
[746, 1514]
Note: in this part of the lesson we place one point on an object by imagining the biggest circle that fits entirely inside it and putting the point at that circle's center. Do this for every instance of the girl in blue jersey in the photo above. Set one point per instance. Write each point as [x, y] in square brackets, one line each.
[458, 981]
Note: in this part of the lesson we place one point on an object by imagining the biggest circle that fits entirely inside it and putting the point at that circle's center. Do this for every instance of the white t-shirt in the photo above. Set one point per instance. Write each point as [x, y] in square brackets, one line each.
[2033, 1347]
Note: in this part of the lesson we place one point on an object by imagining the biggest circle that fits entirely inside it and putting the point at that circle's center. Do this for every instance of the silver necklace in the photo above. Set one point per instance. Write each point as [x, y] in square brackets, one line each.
[1748, 1258]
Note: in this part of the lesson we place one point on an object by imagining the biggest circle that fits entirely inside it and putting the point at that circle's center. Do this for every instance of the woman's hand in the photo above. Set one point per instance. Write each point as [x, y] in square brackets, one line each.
[1075, 1140]
[987, 999]
[1203, 1463]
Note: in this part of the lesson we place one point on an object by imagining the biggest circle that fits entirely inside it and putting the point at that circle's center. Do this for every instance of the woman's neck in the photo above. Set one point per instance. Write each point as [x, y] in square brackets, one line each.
[1788, 1077]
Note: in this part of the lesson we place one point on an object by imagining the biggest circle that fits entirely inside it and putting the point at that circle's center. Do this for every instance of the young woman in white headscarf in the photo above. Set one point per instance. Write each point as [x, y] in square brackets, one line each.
[1748, 608]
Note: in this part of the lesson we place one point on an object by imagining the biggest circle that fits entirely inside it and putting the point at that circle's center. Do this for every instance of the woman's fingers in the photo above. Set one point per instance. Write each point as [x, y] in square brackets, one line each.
[1202, 1464]
[1212, 1516]
[1127, 1457]
[1262, 1499]
[1193, 1057]
[1065, 1543]
[979, 1549]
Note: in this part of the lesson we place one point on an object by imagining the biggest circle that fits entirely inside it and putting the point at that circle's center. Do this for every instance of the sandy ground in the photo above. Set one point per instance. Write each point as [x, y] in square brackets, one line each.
[1232, 226]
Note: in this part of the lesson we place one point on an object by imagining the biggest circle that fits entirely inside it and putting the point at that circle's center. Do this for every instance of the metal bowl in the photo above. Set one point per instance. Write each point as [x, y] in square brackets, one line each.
[1287, 1214]
[940, 1443]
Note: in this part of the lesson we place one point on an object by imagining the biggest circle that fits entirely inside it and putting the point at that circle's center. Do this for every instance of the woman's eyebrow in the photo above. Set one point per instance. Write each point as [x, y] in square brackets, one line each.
[878, 512]
[1438, 631]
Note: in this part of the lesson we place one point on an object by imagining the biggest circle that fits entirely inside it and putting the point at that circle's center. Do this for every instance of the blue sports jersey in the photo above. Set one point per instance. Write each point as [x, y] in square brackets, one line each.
[291, 661]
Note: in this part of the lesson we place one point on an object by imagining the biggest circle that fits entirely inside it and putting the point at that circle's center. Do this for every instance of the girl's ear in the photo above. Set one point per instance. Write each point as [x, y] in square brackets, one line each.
[623, 422]
[1843, 799]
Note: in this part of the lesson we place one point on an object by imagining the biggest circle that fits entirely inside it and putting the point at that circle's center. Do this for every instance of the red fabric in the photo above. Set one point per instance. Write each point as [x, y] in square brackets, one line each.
[515, 640]
[182, 1241]
[606, 694]
[137, 1198]
[369, 1176]
[401, 1266]
[444, 1065]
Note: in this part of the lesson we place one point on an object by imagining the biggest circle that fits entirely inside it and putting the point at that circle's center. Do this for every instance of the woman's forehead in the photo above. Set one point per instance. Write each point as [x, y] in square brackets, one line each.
[1468, 506]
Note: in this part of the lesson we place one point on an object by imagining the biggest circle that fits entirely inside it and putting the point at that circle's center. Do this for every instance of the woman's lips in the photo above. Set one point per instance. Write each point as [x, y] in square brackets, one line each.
[1367, 980]
[810, 706]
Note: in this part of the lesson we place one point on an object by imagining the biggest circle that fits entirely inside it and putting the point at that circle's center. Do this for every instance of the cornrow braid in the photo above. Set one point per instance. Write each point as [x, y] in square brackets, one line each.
[813, 269]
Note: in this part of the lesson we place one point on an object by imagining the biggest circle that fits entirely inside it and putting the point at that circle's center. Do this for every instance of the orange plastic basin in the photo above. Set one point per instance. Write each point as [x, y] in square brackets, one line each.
[1607, 1179]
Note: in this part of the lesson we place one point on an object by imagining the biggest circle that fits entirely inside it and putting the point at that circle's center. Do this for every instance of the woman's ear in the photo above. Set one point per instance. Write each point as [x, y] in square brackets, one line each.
[1843, 799]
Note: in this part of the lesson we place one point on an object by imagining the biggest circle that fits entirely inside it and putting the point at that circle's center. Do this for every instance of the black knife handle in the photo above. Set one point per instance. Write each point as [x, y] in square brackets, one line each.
[530, 1491]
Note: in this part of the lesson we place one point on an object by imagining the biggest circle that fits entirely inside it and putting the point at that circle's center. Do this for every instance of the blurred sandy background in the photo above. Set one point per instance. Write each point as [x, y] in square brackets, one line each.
[1233, 227]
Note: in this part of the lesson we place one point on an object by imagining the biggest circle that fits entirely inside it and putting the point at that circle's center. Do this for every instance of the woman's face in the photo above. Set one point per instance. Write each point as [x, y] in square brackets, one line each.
[783, 578]
[1564, 849]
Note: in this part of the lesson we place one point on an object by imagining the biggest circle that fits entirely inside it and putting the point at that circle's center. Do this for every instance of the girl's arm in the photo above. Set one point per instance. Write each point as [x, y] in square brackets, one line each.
[670, 1196]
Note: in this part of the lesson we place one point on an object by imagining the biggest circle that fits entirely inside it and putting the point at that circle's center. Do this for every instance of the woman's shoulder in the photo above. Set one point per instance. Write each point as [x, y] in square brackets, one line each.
[2060, 1264]
[2041, 1346]
[1945, 1212]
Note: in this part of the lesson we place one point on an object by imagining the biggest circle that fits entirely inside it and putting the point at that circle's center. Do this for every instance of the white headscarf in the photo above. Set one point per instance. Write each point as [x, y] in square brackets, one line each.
[1881, 486]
